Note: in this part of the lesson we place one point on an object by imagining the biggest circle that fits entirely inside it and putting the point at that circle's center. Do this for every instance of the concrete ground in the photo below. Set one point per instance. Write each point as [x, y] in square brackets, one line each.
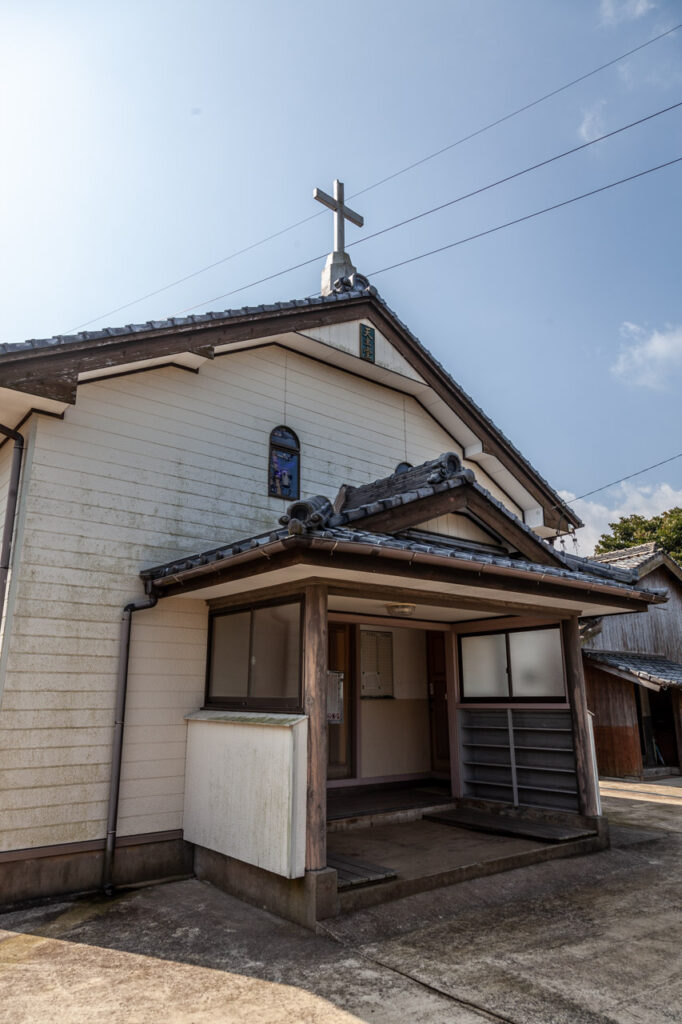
[592, 939]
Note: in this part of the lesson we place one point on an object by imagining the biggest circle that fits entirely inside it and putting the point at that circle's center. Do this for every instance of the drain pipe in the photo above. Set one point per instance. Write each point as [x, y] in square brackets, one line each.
[116, 756]
[10, 510]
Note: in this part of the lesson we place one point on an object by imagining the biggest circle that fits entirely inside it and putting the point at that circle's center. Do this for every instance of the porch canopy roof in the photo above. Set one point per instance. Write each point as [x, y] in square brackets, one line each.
[369, 539]
[650, 670]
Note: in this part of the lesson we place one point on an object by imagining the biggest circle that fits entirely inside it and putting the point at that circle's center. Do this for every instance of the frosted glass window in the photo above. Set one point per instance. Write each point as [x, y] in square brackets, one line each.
[230, 655]
[537, 664]
[484, 666]
[255, 658]
[275, 651]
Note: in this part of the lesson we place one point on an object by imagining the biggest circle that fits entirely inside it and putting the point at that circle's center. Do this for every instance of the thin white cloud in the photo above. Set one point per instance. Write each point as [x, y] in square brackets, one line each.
[626, 499]
[592, 125]
[649, 359]
[614, 11]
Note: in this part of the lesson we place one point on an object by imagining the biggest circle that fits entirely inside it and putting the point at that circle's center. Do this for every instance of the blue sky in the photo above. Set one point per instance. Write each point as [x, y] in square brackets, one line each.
[145, 140]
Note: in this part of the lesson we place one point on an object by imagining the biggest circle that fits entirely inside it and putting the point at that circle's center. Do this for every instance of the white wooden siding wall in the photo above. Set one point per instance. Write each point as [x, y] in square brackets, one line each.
[144, 468]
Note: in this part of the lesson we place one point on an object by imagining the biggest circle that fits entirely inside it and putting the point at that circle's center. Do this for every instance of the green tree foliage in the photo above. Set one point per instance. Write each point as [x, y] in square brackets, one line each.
[632, 530]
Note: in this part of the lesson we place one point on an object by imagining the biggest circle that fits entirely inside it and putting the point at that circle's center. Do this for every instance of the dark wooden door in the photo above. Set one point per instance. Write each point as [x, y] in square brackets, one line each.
[438, 702]
[340, 735]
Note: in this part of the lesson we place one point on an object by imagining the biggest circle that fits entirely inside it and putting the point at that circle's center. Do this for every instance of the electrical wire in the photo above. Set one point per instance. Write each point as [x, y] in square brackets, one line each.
[442, 248]
[376, 184]
[528, 216]
[517, 174]
[520, 110]
[630, 476]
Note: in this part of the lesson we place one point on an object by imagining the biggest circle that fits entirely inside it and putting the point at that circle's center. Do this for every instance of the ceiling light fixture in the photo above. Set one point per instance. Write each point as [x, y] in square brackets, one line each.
[403, 610]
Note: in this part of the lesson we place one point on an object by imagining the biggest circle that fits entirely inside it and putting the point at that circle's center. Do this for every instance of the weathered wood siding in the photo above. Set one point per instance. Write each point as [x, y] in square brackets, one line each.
[616, 733]
[144, 468]
[658, 631]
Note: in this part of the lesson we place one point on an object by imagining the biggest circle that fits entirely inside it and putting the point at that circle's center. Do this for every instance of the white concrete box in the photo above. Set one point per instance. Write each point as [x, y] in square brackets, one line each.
[245, 787]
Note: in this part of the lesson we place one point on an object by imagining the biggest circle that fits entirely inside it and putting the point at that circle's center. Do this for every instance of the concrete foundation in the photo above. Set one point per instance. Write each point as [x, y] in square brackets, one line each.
[303, 900]
[77, 867]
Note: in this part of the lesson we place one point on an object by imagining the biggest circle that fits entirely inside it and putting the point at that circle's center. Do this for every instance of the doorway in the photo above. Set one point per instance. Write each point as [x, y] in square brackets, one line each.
[663, 729]
[340, 740]
[438, 703]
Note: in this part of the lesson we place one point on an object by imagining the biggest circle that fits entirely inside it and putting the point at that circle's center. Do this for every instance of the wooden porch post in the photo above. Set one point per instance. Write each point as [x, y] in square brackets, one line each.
[575, 680]
[451, 646]
[315, 707]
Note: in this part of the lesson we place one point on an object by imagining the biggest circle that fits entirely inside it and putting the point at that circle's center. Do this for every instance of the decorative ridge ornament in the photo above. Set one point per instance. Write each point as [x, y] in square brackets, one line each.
[309, 514]
[338, 266]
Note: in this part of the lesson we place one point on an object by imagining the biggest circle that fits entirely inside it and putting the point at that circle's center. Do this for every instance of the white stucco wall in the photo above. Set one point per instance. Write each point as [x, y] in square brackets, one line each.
[246, 788]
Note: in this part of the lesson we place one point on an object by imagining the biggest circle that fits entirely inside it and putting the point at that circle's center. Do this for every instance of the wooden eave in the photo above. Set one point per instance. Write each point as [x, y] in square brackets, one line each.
[626, 677]
[363, 556]
[52, 371]
[467, 500]
[661, 559]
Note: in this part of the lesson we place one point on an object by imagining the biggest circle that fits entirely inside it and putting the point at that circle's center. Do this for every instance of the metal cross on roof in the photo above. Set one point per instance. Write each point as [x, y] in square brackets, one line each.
[342, 213]
[338, 267]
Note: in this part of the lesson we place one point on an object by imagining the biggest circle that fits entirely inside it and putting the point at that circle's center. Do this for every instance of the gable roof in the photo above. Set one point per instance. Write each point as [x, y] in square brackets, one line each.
[646, 668]
[50, 368]
[642, 559]
[317, 526]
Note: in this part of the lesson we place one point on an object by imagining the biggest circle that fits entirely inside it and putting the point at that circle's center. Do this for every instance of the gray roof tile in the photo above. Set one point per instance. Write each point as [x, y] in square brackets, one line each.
[651, 667]
[357, 292]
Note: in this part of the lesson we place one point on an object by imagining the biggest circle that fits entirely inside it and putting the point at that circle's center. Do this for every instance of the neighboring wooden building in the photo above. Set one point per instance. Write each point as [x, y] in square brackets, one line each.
[264, 494]
[633, 671]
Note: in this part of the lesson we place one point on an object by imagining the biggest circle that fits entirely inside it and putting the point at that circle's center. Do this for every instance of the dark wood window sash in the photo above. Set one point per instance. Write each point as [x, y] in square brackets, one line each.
[250, 703]
[511, 699]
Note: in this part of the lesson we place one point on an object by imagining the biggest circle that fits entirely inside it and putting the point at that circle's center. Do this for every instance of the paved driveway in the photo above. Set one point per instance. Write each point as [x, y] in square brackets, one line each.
[592, 939]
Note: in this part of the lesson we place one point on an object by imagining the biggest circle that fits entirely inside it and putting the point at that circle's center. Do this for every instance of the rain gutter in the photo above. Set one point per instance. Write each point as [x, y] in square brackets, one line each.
[119, 723]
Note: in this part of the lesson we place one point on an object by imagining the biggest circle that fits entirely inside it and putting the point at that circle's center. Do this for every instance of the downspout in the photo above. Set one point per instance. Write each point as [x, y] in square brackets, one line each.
[119, 722]
[10, 511]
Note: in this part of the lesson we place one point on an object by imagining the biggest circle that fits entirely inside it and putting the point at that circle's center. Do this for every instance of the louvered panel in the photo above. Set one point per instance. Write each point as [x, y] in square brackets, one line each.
[486, 756]
[519, 757]
[545, 761]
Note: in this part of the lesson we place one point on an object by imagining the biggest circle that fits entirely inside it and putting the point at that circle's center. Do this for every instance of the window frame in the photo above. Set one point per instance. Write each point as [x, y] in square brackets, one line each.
[275, 445]
[510, 698]
[275, 704]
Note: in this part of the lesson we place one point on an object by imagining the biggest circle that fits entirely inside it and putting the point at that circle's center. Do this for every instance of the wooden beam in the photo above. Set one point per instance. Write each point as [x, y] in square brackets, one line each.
[452, 691]
[300, 551]
[508, 622]
[575, 682]
[527, 543]
[248, 597]
[463, 499]
[404, 516]
[315, 707]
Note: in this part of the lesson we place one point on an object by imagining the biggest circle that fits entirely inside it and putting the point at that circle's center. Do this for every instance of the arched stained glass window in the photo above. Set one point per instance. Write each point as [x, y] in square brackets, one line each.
[284, 464]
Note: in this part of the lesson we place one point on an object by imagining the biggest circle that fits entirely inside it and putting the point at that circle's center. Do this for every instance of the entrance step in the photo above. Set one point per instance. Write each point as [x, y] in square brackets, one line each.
[505, 825]
[355, 873]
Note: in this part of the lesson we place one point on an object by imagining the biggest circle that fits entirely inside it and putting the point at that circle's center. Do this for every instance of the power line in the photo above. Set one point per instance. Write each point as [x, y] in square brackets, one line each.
[528, 216]
[520, 110]
[376, 184]
[624, 478]
[435, 209]
[517, 174]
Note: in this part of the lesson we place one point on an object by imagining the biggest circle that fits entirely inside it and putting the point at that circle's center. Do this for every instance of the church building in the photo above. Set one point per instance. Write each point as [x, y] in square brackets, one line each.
[269, 579]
